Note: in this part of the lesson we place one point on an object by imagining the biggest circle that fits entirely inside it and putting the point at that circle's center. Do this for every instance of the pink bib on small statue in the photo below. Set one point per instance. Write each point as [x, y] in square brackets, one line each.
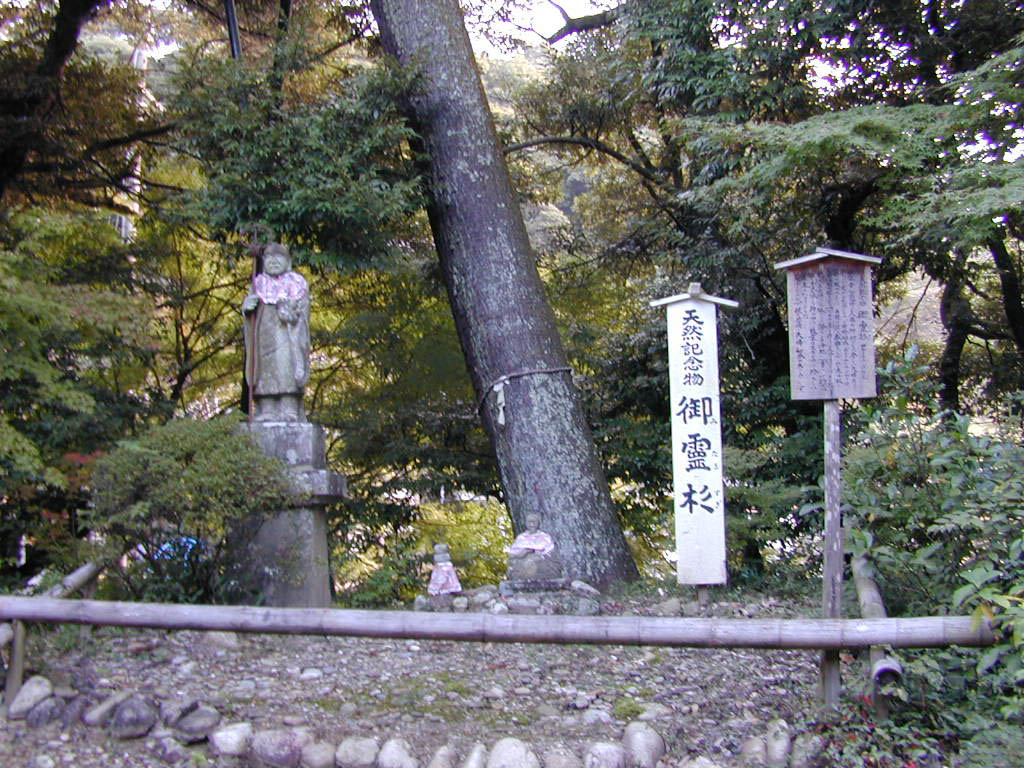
[444, 580]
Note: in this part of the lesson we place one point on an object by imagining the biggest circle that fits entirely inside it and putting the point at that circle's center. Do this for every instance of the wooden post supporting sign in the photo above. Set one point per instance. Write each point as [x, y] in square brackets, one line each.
[831, 357]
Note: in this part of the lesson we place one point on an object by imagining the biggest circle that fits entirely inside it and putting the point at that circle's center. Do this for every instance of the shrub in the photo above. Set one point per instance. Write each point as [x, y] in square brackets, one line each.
[938, 503]
[184, 501]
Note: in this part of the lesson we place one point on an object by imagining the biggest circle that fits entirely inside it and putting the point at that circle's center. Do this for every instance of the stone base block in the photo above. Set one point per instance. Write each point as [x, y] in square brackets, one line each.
[291, 556]
[534, 566]
[278, 408]
[297, 443]
[320, 486]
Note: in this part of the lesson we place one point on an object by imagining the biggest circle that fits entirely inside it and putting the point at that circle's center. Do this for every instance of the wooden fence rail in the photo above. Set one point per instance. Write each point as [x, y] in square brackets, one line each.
[931, 631]
[73, 581]
[14, 632]
[884, 668]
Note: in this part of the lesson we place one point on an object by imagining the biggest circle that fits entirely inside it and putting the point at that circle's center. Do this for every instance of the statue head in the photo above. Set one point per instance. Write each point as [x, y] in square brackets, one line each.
[532, 522]
[276, 260]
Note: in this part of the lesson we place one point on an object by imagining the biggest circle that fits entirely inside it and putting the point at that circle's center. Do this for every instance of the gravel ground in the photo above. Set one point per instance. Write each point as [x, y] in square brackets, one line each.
[703, 701]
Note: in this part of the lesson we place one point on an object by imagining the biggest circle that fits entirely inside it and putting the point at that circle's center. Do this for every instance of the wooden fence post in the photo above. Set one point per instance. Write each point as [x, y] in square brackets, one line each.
[15, 633]
[884, 668]
[832, 578]
[16, 670]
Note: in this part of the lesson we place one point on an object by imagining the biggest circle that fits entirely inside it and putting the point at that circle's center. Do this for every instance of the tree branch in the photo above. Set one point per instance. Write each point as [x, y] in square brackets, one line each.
[584, 23]
[131, 138]
[584, 141]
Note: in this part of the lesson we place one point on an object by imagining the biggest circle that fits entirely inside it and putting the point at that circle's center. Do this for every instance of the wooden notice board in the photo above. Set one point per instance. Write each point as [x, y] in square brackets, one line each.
[831, 357]
[831, 326]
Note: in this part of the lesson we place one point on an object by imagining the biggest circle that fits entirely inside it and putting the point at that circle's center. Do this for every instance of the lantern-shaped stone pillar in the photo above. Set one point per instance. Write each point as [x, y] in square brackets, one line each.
[291, 557]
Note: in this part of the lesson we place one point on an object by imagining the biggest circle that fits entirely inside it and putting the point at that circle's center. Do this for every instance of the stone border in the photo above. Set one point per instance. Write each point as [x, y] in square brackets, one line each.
[176, 727]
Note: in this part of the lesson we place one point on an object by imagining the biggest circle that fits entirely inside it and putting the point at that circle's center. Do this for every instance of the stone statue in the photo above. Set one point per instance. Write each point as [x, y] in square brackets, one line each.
[533, 554]
[444, 580]
[277, 338]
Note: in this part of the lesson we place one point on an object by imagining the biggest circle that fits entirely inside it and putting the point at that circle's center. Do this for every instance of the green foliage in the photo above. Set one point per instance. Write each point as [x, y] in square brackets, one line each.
[390, 578]
[854, 738]
[477, 534]
[86, 150]
[932, 495]
[711, 152]
[183, 501]
[385, 565]
[938, 504]
[627, 400]
[69, 341]
[997, 747]
[395, 394]
[934, 185]
[194, 290]
[328, 172]
[40, 335]
[718, 58]
[768, 537]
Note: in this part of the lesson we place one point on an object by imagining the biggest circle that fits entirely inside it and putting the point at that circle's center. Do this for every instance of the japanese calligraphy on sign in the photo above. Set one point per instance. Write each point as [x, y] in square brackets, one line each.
[831, 328]
[698, 491]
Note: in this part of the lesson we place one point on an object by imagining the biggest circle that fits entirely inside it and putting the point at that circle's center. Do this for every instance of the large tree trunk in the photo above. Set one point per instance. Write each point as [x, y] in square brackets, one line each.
[543, 444]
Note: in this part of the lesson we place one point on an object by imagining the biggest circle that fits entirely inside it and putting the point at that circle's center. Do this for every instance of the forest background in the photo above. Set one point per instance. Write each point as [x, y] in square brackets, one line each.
[652, 144]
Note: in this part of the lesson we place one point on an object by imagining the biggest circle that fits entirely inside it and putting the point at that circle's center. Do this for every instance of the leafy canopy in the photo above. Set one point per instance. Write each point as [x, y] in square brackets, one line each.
[328, 172]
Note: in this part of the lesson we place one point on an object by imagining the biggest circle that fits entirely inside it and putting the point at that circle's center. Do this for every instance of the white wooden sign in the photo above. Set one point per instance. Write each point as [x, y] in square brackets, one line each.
[699, 494]
[831, 327]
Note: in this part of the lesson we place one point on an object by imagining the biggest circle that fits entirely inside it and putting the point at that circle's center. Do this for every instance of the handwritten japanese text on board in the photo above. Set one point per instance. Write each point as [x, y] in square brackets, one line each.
[831, 330]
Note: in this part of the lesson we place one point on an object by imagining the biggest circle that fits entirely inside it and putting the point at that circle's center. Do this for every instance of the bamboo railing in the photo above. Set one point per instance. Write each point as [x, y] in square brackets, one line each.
[931, 631]
[14, 632]
[884, 668]
[872, 631]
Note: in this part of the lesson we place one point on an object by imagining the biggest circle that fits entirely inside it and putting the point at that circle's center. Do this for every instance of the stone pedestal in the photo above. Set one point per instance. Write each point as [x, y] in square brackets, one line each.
[534, 572]
[511, 586]
[291, 548]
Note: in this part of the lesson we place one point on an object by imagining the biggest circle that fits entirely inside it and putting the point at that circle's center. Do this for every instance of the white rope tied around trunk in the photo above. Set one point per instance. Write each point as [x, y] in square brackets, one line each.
[498, 387]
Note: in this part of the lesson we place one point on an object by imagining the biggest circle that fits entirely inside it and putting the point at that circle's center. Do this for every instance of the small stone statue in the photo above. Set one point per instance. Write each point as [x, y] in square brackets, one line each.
[277, 338]
[444, 580]
[533, 554]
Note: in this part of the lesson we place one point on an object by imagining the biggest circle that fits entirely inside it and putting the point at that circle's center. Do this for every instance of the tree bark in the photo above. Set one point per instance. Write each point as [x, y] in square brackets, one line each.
[1009, 280]
[544, 447]
[955, 313]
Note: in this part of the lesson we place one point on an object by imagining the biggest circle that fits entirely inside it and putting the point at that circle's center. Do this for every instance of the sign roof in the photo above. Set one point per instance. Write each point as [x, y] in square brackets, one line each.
[828, 253]
[694, 291]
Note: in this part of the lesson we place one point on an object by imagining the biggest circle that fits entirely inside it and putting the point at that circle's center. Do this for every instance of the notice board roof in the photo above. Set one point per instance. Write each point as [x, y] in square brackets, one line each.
[828, 253]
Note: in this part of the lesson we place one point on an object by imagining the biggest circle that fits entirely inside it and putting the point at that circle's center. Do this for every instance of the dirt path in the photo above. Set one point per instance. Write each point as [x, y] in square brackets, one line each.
[702, 701]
